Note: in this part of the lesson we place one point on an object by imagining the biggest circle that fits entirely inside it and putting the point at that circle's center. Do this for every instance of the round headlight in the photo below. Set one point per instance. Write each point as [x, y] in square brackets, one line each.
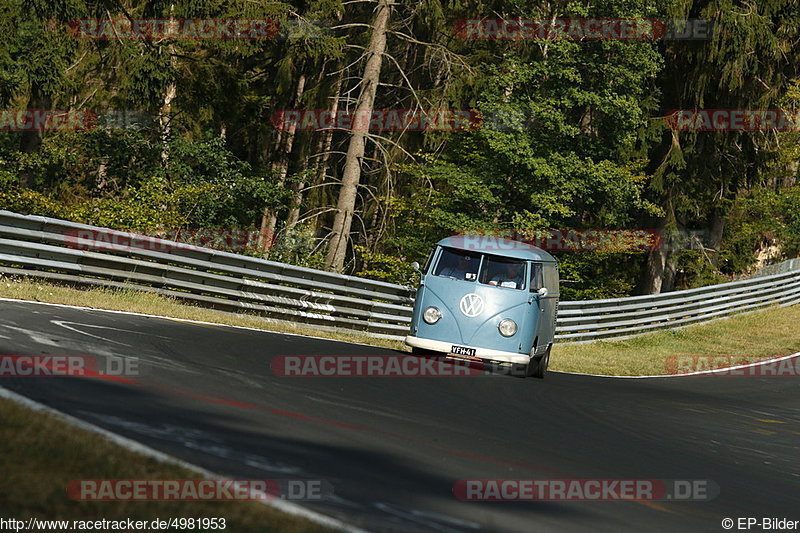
[507, 327]
[431, 315]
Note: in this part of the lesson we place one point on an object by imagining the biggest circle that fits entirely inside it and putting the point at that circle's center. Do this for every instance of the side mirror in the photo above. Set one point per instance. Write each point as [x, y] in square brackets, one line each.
[542, 292]
[415, 266]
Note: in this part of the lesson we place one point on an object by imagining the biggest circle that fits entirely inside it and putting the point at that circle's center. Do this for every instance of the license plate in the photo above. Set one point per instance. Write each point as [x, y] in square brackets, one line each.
[462, 350]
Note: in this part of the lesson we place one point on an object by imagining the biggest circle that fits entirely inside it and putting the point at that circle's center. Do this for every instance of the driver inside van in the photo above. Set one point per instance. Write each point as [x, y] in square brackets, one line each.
[510, 276]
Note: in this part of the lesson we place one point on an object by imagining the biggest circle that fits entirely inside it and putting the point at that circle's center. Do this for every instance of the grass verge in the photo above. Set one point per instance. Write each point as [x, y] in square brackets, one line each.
[40, 455]
[747, 338]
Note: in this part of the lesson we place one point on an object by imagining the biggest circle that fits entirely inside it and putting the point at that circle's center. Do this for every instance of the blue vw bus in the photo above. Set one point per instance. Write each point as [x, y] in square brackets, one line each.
[487, 299]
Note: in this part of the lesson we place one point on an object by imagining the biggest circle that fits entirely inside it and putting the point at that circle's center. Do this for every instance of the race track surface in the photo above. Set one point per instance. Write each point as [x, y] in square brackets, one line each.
[392, 448]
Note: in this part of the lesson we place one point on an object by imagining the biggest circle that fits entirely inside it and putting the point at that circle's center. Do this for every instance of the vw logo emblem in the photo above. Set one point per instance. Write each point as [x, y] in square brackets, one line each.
[471, 305]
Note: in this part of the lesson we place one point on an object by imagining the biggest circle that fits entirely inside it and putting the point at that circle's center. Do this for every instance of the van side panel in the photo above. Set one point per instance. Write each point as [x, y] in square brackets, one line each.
[549, 306]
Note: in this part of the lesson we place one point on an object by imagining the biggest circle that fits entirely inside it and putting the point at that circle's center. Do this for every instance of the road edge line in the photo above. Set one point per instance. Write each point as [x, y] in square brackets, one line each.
[687, 374]
[147, 451]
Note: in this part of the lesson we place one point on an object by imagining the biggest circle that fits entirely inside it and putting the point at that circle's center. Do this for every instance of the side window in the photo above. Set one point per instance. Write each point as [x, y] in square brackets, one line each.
[536, 277]
[551, 278]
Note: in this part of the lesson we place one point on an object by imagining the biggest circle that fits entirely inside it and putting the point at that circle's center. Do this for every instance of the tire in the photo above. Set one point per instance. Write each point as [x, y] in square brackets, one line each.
[537, 366]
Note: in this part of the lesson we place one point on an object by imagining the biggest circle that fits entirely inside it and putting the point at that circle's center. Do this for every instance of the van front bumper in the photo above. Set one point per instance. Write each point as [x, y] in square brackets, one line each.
[483, 353]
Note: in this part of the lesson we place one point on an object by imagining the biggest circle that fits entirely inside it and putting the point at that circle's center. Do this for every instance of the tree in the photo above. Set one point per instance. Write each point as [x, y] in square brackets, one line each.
[748, 63]
[351, 175]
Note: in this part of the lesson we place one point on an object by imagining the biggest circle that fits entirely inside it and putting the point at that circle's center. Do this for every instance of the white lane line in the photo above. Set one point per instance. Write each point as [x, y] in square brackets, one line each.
[698, 373]
[35, 336]
[63, 324]
[97, 326]
[187, 320]
[132, 445]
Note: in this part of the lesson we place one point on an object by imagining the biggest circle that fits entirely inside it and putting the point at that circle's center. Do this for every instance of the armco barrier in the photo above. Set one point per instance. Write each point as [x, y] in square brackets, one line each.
[779, 268]
[55, 249]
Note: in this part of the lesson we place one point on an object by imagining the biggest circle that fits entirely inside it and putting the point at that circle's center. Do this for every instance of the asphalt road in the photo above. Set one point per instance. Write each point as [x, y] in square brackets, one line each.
[392, 448]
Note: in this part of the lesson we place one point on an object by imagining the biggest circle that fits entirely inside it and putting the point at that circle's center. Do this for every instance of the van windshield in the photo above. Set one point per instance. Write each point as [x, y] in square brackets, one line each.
[503, 272]
[466, 266]
[458, 264]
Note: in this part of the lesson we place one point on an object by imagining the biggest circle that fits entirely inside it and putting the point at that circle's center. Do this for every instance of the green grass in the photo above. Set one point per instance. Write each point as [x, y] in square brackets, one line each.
[40, 455]
[747, 337]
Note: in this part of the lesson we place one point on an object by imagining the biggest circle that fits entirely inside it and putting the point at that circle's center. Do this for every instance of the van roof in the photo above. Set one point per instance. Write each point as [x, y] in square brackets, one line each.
[488, 244]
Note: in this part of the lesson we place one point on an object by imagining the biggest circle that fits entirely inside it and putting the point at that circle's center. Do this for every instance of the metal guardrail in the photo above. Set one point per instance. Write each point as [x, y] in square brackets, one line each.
[603, 319]
[786, 266]
[65, 251]
[58, 250]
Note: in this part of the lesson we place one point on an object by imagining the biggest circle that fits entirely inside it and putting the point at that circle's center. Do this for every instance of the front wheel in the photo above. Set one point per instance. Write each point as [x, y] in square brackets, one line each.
[537, 366]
